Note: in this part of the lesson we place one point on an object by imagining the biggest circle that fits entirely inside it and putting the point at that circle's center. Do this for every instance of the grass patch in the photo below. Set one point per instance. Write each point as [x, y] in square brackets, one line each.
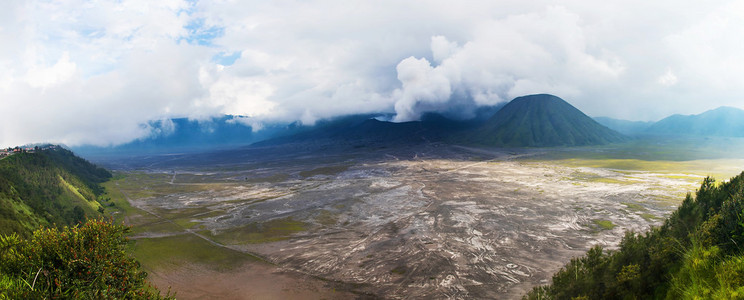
[119, 200]
[257, 233]
[649, 217]
[684, 177]
[186, 223]
[158, 226]
[592, 177]
[270, 179]
[604, 224]
[179, 219]
[662, 148]
[672, 200]
[327, 218]
[73, 190]
[400, 270]
[173, 251]
[692, 169]
[609, 180]
[634, 206]
[132, 184]
[180, 213]
[138, 185]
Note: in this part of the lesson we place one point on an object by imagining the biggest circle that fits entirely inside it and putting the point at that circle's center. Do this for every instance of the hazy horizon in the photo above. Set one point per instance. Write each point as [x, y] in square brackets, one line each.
[79, 72]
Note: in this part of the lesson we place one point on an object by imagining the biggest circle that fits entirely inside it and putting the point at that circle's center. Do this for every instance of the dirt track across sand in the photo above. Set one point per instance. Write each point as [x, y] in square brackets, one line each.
[254, 280]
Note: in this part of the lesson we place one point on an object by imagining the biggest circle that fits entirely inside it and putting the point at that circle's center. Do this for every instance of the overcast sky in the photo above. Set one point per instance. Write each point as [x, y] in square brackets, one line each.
[93, 72]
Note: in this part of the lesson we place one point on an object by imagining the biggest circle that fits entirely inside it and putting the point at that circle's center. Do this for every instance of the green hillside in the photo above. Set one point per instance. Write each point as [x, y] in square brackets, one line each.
[542, 121]
[722, 121]
[697, 254]
[47, 187]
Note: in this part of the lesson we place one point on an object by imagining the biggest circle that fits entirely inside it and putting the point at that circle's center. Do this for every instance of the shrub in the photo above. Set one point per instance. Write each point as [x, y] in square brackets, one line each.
[85, 261]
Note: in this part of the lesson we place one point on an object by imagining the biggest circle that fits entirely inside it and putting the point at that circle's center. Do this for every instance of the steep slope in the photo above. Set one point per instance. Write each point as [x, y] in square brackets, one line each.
[542, 121]
[47, 187]
[695, 254]
[722, 121]
[624, 126]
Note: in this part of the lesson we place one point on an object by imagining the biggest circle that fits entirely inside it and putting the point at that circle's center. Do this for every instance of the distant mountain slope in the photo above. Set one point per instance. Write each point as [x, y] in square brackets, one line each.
[366, 130]
[530, 121]
[47, 187]
[722, 121]
[624, 126]
[185, 135]
[542, 121]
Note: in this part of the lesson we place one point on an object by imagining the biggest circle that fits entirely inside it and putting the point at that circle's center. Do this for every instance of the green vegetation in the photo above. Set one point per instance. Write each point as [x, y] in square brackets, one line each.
[155, 225]
[174, 251]
[604, 224]
[53, 188]
[592, 177]
[117, 200]
[634, 206]
[327, 218]
[48, 187]
[142, 185]
[661, 148]
[697, 254]
[649, 217]
[81, 262]
[256, 233]
[272, 179]
[90, 174]
[692, 170]
[400, 270]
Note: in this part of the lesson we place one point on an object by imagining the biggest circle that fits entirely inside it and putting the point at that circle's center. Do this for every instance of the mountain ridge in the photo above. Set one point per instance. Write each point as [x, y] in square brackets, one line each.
[186, 135]
[540, 120]
[368, 130]
[724, 121]
[564, 126]
[47, 187]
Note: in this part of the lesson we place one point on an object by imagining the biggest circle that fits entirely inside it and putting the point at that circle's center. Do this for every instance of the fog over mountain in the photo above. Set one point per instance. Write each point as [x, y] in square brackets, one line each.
[624, 126]
[82, 72]
[722, 121]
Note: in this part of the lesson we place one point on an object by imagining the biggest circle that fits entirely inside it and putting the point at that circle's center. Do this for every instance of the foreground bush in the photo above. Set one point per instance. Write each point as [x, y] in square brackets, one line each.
[87, 261]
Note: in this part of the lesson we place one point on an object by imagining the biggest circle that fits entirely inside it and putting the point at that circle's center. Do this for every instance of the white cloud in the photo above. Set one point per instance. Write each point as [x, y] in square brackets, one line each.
[541, 52]
[241, 96]
[441, 48]
[43, 76]
[81, 71]
[668, 79]
[422, 84]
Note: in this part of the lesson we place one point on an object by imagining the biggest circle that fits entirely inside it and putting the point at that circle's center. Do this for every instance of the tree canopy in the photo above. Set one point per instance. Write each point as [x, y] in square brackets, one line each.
[86, 261]
[698, 253]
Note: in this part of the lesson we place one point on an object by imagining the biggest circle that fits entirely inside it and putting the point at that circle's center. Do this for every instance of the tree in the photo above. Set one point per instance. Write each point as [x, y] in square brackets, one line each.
[86, 261]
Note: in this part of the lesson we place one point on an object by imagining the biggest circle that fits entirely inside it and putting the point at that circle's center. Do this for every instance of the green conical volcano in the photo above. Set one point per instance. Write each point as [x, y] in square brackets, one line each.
[543, 121]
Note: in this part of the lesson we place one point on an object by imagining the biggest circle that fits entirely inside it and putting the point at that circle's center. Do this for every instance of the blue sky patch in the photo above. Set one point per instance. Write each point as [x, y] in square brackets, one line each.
[226, 58]
[200, 34]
